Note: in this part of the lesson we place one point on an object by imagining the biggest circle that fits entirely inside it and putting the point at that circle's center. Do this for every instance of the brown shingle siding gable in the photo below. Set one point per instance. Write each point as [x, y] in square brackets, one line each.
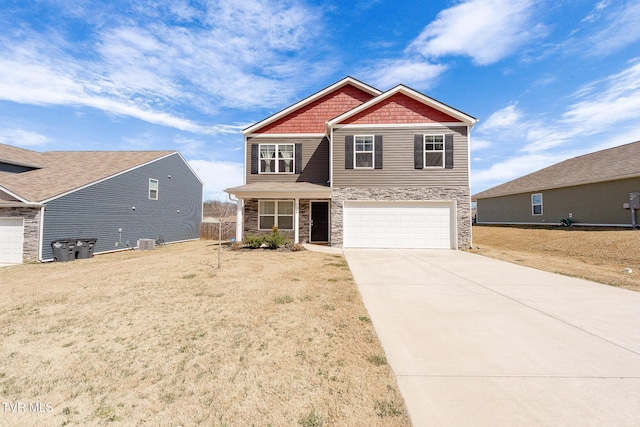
[606, 165]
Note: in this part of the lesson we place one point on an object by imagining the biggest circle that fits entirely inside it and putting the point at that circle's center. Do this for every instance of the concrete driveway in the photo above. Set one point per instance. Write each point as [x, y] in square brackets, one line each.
[476, 341]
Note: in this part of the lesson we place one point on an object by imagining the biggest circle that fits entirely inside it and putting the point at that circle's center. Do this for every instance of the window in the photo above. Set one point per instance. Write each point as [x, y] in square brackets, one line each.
[433, 151]
[275, 213]
[363, 151]
[153, 189]
[536, 204]
[276, 158]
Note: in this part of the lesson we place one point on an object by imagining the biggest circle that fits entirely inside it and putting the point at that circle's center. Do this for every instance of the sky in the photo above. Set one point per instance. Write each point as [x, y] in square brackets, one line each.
[548, 80]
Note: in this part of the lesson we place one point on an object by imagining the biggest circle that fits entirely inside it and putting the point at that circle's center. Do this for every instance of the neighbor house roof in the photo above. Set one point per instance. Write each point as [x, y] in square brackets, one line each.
[607, 165]
[60, 172]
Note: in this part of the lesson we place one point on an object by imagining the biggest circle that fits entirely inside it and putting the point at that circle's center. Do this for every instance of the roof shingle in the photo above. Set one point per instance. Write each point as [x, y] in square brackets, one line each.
[64, 171]
[607, 165]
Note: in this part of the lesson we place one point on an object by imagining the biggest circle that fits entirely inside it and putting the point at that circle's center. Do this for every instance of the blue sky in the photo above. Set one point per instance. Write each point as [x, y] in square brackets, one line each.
[548, 80]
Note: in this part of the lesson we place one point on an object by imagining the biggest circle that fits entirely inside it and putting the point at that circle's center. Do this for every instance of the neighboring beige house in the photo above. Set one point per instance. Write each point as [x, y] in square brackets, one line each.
[593, 189]
[353, 166]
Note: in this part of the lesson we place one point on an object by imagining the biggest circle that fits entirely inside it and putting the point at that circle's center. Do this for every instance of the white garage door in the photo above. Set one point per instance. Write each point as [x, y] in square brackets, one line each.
[11, 240]
[398, 225]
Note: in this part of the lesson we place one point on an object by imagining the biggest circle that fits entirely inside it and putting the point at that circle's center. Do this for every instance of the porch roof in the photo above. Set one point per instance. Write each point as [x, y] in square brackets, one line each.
[280, 190]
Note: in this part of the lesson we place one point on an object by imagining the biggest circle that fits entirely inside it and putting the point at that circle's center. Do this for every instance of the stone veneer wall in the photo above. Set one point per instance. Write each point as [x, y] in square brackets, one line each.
[31, 218]
[251, 220]
[461, 195]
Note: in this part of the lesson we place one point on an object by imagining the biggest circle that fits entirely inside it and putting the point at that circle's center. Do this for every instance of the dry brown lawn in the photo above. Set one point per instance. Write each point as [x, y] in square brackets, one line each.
[601, 255]
[162, 338]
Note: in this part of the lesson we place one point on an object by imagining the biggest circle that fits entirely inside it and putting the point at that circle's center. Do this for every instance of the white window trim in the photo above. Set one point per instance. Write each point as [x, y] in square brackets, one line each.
[276, 215]
[541, 205]
[157, 188]
[373, 152]
[424, 152]
[277, 163]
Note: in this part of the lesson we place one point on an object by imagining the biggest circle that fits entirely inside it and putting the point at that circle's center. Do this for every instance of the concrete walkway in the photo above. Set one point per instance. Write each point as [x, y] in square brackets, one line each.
[476, 341]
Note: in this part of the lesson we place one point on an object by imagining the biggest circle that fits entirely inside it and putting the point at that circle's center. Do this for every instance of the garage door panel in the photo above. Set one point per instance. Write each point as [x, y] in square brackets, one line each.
[398, 224]
[11, 240]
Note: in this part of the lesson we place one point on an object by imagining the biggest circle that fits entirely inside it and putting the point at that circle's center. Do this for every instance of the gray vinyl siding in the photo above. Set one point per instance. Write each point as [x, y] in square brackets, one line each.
[100, 209]
[598, 204]
[9, 167]
[398, 160]
[315, 161]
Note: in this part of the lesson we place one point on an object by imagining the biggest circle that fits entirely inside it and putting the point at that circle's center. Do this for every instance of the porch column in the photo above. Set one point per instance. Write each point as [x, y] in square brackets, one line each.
[296, 220]
[240, 220]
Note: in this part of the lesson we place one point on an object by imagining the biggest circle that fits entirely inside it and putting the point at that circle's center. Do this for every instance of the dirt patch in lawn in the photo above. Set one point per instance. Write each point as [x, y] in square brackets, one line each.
[601, 255]
[161, 337]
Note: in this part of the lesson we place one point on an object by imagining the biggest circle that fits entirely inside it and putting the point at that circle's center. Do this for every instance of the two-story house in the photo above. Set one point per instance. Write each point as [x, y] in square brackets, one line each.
[352, 166]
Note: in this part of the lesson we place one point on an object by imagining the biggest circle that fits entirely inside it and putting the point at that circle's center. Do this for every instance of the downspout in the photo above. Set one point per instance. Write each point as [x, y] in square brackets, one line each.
[41, 233]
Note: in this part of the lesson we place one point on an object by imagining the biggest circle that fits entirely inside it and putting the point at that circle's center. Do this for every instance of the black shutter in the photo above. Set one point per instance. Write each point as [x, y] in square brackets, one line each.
[378, 151]
[254, 158]
[418, 151]
[448, 151]
[298, 160]
[348, 152]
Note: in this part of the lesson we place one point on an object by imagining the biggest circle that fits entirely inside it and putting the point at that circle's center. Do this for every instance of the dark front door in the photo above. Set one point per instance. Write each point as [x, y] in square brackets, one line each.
[319, 221]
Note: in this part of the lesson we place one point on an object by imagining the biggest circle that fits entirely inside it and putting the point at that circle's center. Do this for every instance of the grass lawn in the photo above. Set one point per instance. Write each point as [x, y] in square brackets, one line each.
[162, 338]
[599, 254]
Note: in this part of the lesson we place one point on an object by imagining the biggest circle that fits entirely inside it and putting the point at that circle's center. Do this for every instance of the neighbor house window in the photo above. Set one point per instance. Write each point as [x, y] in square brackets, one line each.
[153, 189]
[276, 158]
[277, 213]
[536, 204]
[363, 151]
[434, 151]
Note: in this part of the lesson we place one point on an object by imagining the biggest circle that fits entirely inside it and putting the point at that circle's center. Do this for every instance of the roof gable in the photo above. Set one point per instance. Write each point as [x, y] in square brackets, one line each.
[606, 165]
[400, 104]
[310, 114]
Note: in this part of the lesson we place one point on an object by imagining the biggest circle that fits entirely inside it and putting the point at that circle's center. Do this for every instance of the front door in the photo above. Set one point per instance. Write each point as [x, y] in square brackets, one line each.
[319, 221]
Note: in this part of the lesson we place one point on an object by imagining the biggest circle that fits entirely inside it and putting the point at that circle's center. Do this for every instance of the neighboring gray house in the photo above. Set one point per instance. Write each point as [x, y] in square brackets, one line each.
[593, 189]
[117, 197]
[353, 166]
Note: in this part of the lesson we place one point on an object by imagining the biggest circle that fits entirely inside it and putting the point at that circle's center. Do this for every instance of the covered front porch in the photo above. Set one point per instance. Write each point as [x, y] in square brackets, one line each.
[300, 210]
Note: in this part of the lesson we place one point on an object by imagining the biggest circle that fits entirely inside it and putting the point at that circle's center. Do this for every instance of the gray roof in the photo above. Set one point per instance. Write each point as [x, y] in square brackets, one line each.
[59, 172]
[607, 165]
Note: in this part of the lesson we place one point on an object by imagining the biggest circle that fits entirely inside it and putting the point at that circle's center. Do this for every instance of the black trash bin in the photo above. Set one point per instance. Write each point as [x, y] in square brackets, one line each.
[84, 247]
[64, 250]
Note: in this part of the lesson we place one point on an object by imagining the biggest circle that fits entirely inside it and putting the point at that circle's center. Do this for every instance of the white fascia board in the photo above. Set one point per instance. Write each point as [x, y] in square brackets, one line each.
[400, 125]
[310, 99]
[14, 195]
[244, 163]
[113, 176]
[285, 135]
[412, 94]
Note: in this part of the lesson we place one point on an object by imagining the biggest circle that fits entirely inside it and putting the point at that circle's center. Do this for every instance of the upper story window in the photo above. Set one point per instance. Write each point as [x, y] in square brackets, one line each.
[153, 189]
[434, 151]
[276, 158]
[363, 151]
[536, 204]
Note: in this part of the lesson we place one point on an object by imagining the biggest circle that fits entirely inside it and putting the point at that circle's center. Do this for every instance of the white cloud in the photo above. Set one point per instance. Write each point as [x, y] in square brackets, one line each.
[621, 28]
[507, 117]
[22, 138]
[512, 168]
[147, 67]
[411, 73]
[217, 176]
[485, 30]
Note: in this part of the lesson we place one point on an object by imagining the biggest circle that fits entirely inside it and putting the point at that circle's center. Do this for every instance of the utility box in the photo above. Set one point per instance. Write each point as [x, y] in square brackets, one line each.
[146, 244]
[634, 200]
